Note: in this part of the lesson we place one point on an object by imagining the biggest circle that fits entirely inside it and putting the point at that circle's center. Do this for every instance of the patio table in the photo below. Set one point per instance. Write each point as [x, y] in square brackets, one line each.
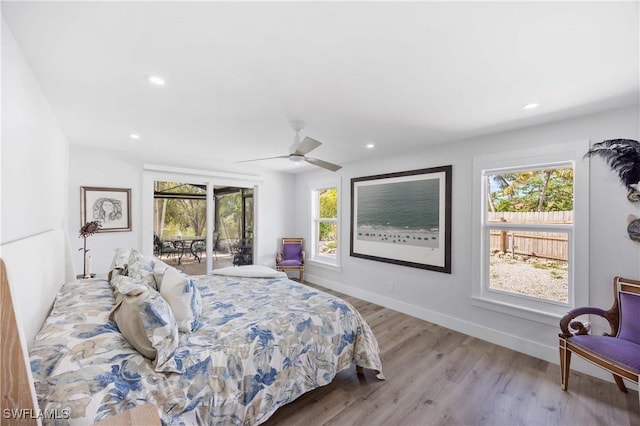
[188, 246]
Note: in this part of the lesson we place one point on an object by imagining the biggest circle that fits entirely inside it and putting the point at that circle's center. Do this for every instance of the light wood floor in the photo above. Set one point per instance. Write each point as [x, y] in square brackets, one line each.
[436, 376]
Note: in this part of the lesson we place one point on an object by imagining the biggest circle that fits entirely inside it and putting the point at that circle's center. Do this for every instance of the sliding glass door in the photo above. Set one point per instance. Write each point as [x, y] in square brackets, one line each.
[183, 212]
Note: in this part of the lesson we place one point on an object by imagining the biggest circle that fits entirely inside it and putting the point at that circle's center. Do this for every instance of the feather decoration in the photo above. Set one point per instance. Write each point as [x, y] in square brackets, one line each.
[623, 156]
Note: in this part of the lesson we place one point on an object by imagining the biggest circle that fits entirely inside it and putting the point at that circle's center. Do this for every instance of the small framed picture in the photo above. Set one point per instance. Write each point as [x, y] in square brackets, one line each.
[110, 206]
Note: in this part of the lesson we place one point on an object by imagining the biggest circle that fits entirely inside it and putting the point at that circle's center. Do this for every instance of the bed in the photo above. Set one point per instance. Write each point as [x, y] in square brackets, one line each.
[260, 342]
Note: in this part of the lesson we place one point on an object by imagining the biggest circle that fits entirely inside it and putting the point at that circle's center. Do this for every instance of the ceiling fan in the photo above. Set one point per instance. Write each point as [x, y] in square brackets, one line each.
[299, 149]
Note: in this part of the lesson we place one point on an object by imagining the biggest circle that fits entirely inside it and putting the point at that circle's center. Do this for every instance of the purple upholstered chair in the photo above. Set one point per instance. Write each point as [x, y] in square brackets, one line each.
[618, 351]
[291, 258]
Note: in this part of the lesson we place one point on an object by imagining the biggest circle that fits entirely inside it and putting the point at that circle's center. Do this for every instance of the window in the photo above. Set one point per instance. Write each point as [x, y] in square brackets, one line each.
[528, 247]
[325, 225]
[528, 222]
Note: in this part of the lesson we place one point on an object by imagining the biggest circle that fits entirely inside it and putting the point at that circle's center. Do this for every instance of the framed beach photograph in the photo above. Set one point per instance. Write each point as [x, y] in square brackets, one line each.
[403, 218]
[110, 206]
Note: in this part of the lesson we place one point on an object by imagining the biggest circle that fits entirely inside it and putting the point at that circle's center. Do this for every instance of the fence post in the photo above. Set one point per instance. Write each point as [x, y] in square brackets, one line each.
[503, 238]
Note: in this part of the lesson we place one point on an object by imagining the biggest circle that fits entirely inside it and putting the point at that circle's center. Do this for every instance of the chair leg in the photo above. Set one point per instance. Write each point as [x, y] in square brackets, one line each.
[565, 364]
[620, 383]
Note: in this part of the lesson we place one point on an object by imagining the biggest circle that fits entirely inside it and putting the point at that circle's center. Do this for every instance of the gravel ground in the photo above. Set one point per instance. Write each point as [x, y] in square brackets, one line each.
[533, 276]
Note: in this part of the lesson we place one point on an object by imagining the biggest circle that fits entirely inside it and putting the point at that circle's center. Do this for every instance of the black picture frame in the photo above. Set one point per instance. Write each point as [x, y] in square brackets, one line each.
[403, 218]
[117, 218]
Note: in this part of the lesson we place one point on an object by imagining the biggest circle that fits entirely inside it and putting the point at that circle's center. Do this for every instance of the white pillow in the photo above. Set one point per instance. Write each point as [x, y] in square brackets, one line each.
[119, 263]
[183, 296]
[250, 271]
[159, 269]
[141, 267]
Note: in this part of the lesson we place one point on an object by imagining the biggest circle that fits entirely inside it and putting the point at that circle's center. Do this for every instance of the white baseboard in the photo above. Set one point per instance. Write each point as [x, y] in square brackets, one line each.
[516, 343]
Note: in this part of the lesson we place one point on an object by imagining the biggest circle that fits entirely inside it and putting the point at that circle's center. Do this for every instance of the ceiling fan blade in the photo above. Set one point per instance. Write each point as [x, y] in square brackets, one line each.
[260, 159]
[307, 145]
[323, 164]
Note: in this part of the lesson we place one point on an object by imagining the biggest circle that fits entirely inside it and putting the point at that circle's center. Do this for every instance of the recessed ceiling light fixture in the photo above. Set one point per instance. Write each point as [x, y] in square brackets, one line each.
[134, 136]
[156, 80]
[371, 145]
[532, 105]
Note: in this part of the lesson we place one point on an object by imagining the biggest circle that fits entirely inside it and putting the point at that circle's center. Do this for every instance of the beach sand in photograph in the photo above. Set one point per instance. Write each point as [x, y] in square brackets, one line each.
[406, 237]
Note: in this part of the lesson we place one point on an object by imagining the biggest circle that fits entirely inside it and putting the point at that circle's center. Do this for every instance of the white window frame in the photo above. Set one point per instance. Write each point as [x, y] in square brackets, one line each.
[540, 310]
[316, 258]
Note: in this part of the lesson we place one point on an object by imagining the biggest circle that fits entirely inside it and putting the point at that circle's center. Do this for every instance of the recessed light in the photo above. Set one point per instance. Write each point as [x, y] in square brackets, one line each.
[371, 145]
[134, 136]
[532, 105]
[158, 81]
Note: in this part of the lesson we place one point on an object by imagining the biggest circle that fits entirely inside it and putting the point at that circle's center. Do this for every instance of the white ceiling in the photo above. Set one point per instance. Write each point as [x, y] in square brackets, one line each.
[400, 75]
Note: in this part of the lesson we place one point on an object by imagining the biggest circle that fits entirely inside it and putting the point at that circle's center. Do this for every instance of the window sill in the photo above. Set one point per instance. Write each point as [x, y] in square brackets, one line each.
[325, 264]
[551, 317]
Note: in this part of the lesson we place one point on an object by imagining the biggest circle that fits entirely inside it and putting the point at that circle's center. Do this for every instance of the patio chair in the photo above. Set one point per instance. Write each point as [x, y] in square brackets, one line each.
[291, 258]
[243, 253]
[617, 351]
[197, 248]
[161, 247]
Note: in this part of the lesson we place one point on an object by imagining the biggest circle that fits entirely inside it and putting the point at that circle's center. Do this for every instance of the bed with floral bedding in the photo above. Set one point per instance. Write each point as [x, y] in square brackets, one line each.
[257, 344]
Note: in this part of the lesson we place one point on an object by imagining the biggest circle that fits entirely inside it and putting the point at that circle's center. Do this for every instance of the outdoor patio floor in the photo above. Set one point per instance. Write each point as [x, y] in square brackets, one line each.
[190, 265]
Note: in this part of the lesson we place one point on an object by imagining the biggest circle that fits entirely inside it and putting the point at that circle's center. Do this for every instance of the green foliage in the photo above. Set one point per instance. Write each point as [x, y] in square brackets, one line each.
[230, 213]
[328, 209]
[181, 216]
[327, 231]
[328, 203]
[187, 217]
[535, 190]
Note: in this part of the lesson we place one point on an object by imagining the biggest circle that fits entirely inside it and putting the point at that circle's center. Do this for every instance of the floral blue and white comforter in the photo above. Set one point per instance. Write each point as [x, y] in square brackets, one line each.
[264, 343]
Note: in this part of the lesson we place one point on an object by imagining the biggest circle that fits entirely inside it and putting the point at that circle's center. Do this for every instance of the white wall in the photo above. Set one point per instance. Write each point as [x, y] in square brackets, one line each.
[446, 299]
[91, 166]
[34, 152]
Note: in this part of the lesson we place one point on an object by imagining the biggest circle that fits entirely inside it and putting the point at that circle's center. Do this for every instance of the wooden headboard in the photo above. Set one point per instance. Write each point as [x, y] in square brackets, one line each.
[32, 270]
[15, 376]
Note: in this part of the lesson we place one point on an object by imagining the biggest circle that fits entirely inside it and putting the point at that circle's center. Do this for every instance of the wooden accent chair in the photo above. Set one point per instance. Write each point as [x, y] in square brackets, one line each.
[291, 258]
[617, 351]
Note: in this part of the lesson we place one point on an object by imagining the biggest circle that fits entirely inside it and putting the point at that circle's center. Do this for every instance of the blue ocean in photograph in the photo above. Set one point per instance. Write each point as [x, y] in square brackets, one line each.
[400, 212]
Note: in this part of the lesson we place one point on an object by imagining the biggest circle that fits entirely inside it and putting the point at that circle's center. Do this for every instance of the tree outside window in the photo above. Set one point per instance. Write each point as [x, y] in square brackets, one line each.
[325, 224]
[182, 211]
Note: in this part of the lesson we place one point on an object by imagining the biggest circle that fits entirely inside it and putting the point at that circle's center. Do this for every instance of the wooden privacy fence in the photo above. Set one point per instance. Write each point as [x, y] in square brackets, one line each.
[548, 245]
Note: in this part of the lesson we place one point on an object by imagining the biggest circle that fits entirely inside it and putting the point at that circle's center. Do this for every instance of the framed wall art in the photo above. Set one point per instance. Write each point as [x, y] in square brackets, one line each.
[110, 206]
[403, 218]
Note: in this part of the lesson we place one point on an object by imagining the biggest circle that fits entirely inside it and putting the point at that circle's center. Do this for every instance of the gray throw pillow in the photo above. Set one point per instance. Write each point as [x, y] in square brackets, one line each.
[145, 320]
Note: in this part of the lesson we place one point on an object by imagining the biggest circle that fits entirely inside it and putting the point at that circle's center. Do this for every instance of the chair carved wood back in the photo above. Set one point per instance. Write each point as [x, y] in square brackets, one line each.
[618, 350]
